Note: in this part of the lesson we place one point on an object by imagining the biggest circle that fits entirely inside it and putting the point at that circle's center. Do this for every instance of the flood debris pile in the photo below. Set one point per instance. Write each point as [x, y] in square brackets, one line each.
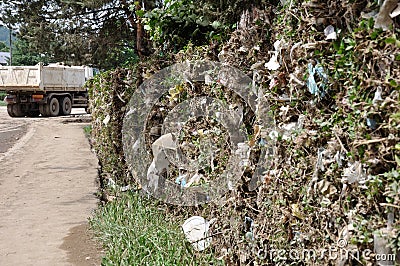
[109, 94]
[330, 73]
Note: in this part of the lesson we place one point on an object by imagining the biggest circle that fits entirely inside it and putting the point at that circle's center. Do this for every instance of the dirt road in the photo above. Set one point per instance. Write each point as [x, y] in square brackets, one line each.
[47, 186]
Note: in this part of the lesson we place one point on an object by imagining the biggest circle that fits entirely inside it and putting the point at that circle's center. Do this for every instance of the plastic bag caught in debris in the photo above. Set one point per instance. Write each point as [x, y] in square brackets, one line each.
[181, 179]
[106, 120]
[160, 161]
[313, 87]
[395, 12]
[354, 173]
[384, 18]
[330, 33]
[378, 96]
[273, 63]
[196, 230]
[371, 123]
[111, 183]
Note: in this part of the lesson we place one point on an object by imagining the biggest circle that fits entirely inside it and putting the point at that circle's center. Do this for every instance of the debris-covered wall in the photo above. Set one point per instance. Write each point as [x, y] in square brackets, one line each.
[109, 93]
[332, 80]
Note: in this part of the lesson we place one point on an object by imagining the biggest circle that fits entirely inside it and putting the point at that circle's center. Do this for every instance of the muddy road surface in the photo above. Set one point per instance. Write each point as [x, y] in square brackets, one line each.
[47, 191]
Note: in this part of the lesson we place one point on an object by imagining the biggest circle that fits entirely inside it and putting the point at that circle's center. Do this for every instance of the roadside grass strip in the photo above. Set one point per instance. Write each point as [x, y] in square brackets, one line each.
[134, 231]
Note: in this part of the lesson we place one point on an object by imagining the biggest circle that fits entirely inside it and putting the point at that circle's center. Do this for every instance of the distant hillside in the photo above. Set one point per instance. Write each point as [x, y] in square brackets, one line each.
[5, 35]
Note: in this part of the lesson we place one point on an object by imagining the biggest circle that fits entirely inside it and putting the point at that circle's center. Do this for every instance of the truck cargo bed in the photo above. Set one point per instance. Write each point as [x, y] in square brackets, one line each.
[43, 78]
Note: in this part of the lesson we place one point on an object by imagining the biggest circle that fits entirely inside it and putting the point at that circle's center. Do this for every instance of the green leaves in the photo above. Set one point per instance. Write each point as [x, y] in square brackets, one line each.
[85, 32]
[392, 40]
[140, 13]
[216, 24]
[3, 47]
[167, 25]
[184, 21]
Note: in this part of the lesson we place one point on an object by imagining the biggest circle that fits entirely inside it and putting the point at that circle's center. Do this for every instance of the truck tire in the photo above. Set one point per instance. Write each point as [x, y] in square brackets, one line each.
[17, 110]
[66, 106]
[53, 107]
[43, 109]
[10, 110]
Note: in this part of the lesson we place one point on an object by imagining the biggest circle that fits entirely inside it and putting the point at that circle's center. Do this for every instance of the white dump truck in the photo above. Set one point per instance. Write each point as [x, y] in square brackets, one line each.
[47, 90]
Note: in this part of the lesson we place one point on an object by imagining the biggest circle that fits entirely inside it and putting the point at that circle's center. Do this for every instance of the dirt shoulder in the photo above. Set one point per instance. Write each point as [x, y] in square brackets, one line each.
[47, 192]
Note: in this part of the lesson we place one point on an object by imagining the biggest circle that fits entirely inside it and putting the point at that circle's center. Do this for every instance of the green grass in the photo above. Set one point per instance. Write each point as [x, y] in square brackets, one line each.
[134, 231]
[88, 130]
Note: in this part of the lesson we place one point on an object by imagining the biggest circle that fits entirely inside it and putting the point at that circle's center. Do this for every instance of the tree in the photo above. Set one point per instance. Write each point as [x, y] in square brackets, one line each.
[23, 55]
[105, 33]
[75, 32]
[4, 47]
[200, 22]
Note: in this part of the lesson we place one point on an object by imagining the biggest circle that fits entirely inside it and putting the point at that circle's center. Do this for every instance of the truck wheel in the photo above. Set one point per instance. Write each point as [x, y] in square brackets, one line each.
[66, 106]
[17, 110]
[54, 107]
[44, 109]
[10, 110]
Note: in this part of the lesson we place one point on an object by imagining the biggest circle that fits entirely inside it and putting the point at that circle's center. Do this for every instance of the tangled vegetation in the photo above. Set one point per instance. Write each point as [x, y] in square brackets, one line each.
[335, 174]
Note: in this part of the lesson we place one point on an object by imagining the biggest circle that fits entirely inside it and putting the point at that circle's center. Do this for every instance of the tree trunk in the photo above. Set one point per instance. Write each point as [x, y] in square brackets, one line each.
[139, 34]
